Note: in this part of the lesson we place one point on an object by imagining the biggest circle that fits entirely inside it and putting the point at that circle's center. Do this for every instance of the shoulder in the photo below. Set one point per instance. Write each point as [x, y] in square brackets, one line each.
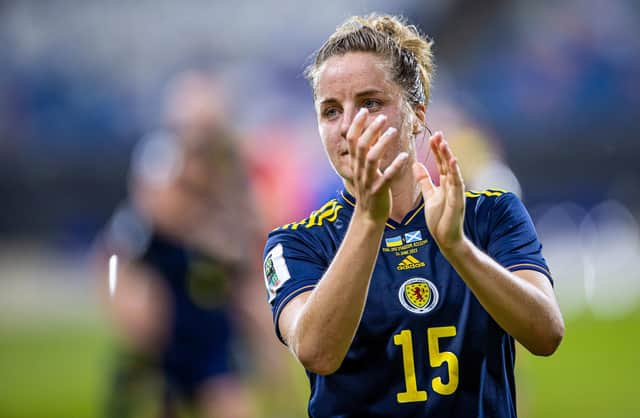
[314, 232]
[493, 211]
[127, 233]
[487, 195]
[317, 225]
[491, 203]
[326, 214]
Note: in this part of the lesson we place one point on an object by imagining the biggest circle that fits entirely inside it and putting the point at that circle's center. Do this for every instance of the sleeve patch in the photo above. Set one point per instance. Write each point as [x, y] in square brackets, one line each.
[276, 272]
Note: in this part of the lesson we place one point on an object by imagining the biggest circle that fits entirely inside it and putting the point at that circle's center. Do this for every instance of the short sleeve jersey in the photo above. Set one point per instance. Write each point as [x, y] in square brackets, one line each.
[424, 346]
[198, 286]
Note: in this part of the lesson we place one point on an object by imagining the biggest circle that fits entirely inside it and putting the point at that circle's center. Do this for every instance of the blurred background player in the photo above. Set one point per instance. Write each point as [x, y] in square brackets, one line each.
[184, 238]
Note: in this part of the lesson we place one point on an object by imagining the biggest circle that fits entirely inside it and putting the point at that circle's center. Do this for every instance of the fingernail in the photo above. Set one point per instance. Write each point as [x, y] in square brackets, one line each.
[390, 131]
[403, 156]
[361, 112]
[381, 118]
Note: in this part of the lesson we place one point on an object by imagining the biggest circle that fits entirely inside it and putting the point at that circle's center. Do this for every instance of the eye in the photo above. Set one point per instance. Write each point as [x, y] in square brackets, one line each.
[330, 112]
[371, 104]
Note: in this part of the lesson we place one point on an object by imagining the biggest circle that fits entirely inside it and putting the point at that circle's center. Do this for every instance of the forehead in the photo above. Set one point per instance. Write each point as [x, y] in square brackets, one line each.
[351, 73]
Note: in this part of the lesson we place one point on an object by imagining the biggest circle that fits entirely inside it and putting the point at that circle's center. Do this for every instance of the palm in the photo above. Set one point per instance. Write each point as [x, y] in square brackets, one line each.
[367, 145]
[444, 204]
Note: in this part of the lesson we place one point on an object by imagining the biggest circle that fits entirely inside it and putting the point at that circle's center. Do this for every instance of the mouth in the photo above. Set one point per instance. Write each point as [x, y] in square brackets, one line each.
[343, 153]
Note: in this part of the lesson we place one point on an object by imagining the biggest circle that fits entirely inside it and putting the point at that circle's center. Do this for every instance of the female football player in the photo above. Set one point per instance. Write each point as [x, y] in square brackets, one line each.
[402, 297]
[183, 236]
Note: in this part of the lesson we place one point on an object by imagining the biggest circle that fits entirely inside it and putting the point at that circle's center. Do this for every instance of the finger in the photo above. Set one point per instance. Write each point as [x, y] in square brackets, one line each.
[434, 142]
[455, 191]
[368, 136]
[441, 160]
[454, 184]
[444, 161]
[355, 130]
[376, 152]
[392, 171]
[453, 166]
[421, 174]
[371, 133]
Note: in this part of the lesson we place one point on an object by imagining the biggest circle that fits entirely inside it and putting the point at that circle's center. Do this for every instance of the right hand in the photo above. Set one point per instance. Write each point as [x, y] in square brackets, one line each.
[371, 186]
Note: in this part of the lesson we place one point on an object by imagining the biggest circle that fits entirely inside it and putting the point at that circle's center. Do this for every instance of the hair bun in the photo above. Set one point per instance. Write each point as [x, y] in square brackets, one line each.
[409, 38]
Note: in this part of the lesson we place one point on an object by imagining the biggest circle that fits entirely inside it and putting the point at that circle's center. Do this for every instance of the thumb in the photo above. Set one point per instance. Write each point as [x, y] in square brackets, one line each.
[423, 178]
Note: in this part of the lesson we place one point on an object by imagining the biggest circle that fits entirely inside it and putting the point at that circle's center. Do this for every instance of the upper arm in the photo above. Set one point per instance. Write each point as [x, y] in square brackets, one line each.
[289, 316]
[539, 281]
[293, 266]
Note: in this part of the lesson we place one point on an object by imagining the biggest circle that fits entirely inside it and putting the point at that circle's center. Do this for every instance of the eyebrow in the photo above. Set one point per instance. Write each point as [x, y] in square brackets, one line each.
[358, 95]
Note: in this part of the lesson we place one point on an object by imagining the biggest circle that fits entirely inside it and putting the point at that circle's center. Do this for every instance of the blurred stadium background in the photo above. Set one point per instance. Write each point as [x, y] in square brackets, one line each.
[539, 97]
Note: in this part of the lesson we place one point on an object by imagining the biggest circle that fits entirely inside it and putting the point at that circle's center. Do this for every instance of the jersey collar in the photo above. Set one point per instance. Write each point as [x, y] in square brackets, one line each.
[347, 198]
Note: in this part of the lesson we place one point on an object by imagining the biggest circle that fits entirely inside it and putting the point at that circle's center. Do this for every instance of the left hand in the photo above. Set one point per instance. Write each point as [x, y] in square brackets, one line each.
[444, 204]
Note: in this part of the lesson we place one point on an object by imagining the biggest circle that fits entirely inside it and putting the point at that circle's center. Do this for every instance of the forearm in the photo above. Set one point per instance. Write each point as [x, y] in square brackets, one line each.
[521, 308]
[325, 327]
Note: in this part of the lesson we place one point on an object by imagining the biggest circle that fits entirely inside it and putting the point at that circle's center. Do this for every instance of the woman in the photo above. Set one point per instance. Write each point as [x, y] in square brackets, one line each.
[184, 260]
[399, 297]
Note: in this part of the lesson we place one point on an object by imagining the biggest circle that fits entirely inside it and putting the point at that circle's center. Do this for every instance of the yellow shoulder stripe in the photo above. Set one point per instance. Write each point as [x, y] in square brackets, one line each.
[487, 192]
[328, 212]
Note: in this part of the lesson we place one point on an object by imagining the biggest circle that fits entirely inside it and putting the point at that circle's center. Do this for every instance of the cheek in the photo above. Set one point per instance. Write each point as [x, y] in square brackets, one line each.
[399, 120]
[327, 136]
[405, 125]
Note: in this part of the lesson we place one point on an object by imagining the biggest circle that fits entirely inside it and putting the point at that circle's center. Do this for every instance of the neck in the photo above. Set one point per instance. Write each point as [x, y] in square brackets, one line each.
[405, 194]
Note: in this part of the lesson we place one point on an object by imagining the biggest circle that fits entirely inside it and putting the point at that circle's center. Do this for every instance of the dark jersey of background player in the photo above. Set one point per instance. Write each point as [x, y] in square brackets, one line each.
[403, 298]
[195, 334]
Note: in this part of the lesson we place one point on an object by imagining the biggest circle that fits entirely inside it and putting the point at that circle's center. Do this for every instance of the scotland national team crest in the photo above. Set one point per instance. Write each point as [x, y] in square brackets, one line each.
[418, 295]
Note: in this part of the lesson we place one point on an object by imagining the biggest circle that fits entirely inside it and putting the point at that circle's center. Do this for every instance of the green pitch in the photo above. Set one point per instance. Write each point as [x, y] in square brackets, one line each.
[52, 369]
[59, 369]
[594, 373]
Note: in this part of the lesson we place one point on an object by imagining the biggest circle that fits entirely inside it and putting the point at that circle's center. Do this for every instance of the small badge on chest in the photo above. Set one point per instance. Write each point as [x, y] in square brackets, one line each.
[418, 295]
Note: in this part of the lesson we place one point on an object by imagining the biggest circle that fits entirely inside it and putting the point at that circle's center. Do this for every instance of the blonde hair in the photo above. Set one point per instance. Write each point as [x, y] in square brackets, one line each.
[407, 52]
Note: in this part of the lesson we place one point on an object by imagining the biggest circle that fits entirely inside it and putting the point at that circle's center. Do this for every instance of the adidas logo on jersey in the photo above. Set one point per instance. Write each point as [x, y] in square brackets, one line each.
[410, 262]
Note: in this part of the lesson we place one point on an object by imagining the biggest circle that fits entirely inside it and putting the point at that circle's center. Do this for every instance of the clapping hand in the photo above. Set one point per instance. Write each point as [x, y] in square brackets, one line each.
[367, 145]
[444, 204]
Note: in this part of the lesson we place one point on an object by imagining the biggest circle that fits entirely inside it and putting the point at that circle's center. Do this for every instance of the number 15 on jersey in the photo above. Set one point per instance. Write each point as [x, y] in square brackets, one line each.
[436, 359]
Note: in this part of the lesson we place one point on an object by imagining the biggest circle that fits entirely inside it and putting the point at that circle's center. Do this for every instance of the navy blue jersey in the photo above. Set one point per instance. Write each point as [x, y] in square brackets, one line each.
[200, 332]
[199, 346]
[425, 346]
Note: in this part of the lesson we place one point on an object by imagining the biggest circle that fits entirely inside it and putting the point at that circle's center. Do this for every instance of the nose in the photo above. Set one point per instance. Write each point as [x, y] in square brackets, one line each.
[347, 117]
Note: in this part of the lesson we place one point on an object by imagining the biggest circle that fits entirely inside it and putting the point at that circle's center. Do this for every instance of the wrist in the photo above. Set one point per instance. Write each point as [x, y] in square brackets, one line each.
[369, 223]
[459, 251]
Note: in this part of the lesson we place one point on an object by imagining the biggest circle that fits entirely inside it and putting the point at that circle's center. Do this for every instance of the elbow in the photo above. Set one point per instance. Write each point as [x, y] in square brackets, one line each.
[318, 361]
[548, 342]
[323, 368]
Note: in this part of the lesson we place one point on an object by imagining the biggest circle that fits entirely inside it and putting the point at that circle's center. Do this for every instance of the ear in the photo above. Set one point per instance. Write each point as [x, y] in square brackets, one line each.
[420, 111]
